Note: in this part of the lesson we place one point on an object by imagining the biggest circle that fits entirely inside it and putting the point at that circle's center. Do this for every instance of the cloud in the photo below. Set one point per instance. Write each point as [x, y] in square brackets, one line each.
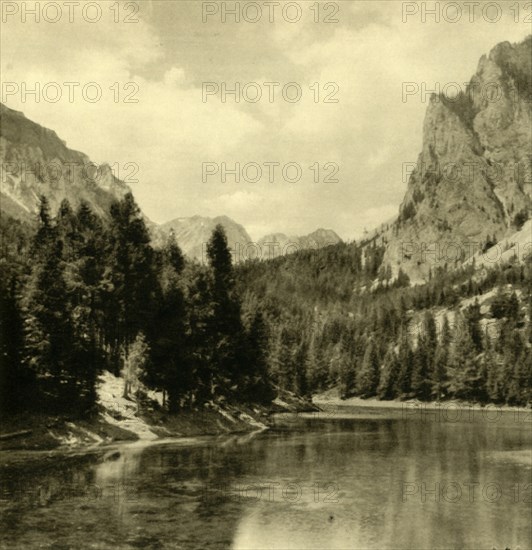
[175, 75]
[159, 124]
[151, 111]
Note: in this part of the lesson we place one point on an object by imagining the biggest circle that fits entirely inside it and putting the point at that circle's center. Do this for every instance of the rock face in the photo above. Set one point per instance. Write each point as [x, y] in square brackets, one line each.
[472, 182]
[34, 162]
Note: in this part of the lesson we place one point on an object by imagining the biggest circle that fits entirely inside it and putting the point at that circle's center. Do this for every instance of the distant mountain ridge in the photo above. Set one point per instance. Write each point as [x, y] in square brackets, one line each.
[193, 233]
[280, 244]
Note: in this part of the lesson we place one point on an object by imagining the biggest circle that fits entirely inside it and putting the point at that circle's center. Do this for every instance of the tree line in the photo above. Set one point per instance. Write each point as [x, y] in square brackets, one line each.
[80, 294]
[338, 319]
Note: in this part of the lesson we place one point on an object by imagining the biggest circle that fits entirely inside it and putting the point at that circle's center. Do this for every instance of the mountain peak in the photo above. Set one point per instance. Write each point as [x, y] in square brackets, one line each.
[471, 183]
[193, 233]
[280, 244]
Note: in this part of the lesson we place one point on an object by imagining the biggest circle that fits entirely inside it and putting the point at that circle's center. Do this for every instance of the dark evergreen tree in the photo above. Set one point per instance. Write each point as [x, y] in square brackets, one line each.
[421, 382]
[368, 376]
[226, 324]
[439, 380]
[517, 367]
[199, 337]
[257, 386]
[464, 373]
[405, 357]
[388, 375]
[130, 278]
[169, 369]
[17, 383]
[472, 319]
[49, 337]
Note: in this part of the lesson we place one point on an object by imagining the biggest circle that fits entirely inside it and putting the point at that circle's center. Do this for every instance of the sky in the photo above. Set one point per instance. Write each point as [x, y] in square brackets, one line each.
[334, 156]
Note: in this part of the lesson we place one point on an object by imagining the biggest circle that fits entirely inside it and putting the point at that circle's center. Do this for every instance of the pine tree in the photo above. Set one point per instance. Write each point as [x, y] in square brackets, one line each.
[405, 357]
[464, 374]
[280, 356]
[169, 369]
[344, 372]
[60, 340]
[368, 377]
[347, 377]
[523, 374]
[81, 234]
[424, 359]
[517, 370]
[17, 384]
[49, 338]
[496, 379]
[226, 324]
[315, 365]
[130, 277]
[441, 360]
[66, 227]
[300, 384]
[257, 385]
[472, 320]
[388, 375]
[199, 337]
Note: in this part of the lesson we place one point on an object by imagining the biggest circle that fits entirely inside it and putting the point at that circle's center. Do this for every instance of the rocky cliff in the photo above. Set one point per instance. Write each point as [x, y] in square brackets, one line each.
[471, 185]
[34, 162]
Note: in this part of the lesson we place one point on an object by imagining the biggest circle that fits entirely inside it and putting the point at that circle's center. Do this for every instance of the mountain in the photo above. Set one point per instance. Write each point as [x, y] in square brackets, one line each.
[471, 186]
[192, 234]
[280, 244]
[34, 161]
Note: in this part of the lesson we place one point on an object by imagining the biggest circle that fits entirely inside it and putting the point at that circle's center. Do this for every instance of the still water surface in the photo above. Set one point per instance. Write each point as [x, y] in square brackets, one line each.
[359, 481]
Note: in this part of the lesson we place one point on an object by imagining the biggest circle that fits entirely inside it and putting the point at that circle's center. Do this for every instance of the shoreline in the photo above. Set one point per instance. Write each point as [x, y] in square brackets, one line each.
[324, 400]
[65, 435]
[437, 411]
[118, 420]
[62, 436]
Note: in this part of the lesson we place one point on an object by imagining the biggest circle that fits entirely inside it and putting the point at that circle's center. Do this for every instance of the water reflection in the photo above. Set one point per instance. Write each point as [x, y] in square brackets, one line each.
[318, 483]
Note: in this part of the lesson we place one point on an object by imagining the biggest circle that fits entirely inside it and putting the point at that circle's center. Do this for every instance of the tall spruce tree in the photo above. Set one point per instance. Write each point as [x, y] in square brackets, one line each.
[424, 359]
[388, 375]
[368, 376]
[257, 386]
[130, 278]
[199, 337]
[465, 379]
[169, 369]
[17, 383]
[50, 345]
[441, 360]
[405, 357]
[226, 324]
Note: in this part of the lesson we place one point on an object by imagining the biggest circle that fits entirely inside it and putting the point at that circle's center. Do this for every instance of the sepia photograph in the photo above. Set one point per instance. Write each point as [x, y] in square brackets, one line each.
[265, 275]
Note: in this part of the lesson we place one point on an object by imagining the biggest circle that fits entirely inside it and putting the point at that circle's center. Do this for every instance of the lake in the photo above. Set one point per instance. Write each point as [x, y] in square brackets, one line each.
[342, 480]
